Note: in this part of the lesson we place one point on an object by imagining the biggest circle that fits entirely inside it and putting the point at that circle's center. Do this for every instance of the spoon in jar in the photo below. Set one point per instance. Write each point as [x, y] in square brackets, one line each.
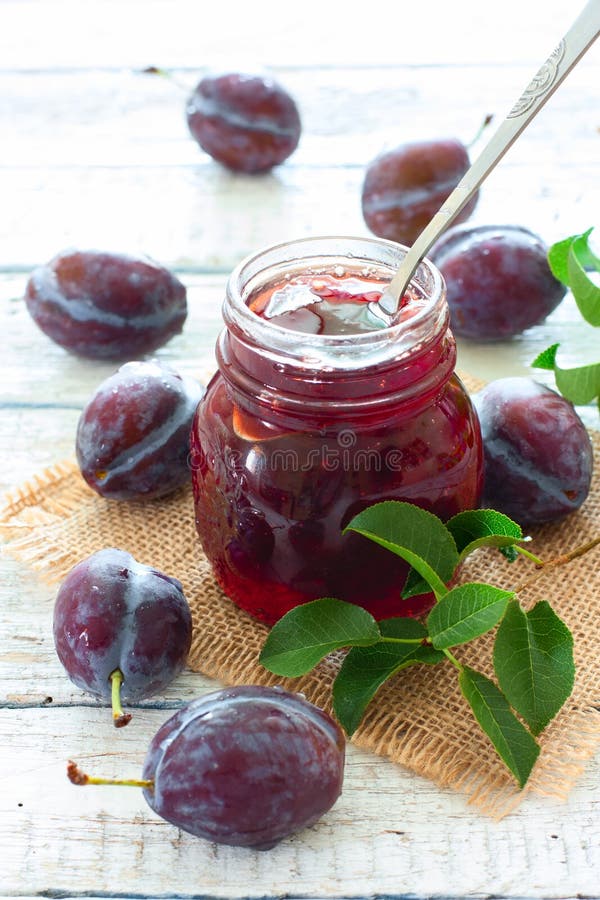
[583, 32]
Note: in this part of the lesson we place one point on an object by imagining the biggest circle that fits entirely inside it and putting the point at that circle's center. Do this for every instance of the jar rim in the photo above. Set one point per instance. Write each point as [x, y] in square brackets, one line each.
[293, 344]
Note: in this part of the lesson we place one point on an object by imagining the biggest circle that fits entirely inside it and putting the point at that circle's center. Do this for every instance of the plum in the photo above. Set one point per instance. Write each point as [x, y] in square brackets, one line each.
[121, 629]
[538, 454]
[246, 122]
[405, 187]
[133, 434]
[106, 305]
[245, 766]
[498, 280]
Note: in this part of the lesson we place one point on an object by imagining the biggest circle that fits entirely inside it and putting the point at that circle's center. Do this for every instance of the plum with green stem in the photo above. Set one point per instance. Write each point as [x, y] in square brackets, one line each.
[122, 630]
[245, 766]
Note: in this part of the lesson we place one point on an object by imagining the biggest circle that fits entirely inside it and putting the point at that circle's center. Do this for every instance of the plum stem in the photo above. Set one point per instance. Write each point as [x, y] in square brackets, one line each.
[391, 640]
[165, 73]
[487, 120]
[561, 560]
[79, 777]
[119, 717]
[529, 555]
[453, 660]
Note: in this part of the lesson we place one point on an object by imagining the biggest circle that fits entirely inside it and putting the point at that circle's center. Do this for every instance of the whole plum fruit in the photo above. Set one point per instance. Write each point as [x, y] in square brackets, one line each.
[538, 454]
[498, 280]
[405, 187]
[106, 305]
[246, 766]
[133, 435]
[116, 617]
[246, 122]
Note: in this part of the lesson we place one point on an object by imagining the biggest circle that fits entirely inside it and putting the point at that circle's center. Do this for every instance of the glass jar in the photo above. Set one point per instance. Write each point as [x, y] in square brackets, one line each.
[297, 433]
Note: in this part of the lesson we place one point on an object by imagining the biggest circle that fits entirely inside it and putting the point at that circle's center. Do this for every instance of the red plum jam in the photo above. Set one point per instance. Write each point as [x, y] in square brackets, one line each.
[319, 410]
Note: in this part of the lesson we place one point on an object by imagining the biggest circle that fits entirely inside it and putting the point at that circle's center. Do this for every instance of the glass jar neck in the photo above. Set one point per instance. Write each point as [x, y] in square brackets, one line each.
[340, 376]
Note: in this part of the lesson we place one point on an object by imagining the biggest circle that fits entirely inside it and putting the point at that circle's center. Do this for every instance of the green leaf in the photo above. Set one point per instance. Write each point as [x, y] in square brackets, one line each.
[533, 660]
[466, 612]
[307, 633]
[587, 257]
[586, 293]
[568, 260]
[365, 669]
[417, 536]
[513, 743]
[414, 585]
[483, 528]
[471, 529]
[403, 629]
[546, 359]
[579, 385]
[558, 255]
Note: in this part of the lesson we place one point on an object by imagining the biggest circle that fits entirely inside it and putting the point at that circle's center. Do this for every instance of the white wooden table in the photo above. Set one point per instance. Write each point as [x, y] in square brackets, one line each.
[93, 153]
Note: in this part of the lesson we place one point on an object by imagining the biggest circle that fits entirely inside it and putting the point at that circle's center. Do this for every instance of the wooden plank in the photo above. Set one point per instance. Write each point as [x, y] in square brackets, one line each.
[60, 379]
[104, 33]
[45, 397]
[125, 118]
[204, 218]
[414, 839]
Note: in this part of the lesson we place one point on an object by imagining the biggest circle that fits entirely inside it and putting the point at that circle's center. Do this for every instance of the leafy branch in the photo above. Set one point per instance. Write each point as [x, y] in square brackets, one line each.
[570, 261]
[533, 650]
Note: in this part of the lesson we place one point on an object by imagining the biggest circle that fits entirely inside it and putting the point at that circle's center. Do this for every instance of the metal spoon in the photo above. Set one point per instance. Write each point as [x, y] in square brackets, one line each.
[581, 35]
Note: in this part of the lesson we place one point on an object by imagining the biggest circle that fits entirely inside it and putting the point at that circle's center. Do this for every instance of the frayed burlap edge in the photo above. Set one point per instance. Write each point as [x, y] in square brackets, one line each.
[419, 718]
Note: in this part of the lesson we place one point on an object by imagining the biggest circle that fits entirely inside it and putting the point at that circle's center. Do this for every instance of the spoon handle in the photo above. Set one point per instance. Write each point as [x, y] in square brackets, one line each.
[581, 35]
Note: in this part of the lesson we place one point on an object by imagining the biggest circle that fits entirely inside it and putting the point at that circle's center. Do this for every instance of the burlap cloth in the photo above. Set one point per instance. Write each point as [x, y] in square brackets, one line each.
[419, 718]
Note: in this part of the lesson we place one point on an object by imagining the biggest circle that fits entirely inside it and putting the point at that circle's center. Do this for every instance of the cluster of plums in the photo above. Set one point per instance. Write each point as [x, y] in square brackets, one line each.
[498, 278]
[246, 766]
[133, 435]
[250, 765]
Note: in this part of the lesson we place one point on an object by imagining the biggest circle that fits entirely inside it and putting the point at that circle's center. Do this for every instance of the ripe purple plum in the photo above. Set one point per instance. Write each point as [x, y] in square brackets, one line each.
[122, 630]
[133, 435]
[405, 187]
[538, 454]
[106, 305]
[498, 280]
[246, 122]
[246, 766]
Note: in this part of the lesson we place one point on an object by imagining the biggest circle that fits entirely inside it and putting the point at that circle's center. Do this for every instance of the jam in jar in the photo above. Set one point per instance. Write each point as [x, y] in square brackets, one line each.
[319, 410]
